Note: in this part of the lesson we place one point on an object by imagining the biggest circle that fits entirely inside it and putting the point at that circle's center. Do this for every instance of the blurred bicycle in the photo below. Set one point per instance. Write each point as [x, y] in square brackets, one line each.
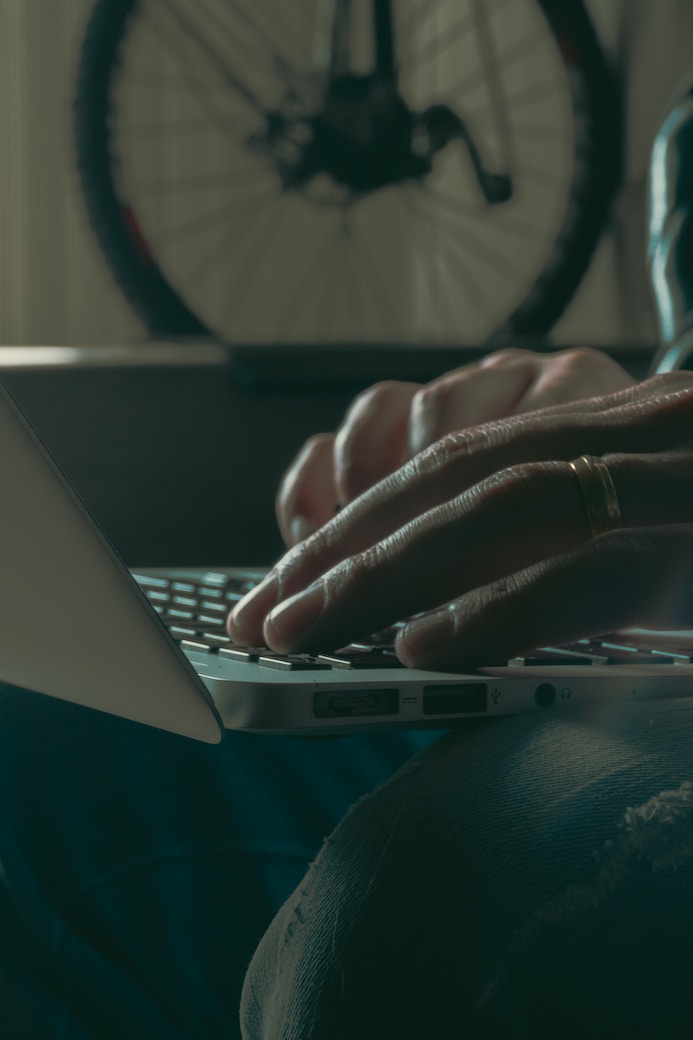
[384, 171]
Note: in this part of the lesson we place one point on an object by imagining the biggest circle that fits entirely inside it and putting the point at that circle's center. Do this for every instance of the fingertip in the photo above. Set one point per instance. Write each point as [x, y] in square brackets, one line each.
[244, 623]
[421, 641]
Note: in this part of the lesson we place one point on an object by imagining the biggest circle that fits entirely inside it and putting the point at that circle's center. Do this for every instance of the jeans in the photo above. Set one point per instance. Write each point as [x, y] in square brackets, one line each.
[527, 877]
[138, 869]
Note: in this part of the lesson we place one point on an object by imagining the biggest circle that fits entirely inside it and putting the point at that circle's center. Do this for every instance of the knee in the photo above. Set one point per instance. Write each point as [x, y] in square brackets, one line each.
[364, 936]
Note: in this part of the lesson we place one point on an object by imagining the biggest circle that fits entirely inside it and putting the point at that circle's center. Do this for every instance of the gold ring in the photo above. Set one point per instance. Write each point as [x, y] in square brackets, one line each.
[599, 493]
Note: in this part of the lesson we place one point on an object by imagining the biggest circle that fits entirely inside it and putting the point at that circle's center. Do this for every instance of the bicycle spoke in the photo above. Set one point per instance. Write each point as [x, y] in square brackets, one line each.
[247, 222]
[199, 223]
[343, 297]
[451, 33]
[264, 46]
[190, 34]
[537, 131]
[532, 93]
[351, 302]
[472, 287]
[412, 22]
[380, 292]
[199, 89]
[306, 290]
[511, 225]
[325, 316]
[159, 128]
[240, 298]
[496, 260]
[434, 285]
[147, 78]
[184, 184]
[540, 175]
[507, 58]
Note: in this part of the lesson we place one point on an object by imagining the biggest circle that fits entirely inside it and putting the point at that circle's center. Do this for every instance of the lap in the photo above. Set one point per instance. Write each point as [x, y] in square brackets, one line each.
[522, 877]
[139, 869]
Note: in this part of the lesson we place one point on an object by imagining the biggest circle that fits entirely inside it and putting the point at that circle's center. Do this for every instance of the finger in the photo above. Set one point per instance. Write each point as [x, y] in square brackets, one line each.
[470, 396]
[307, 495]
[621, 422]
[641, 577]
[372, 440]
[573, 375]
[509, 521]
[510, 382]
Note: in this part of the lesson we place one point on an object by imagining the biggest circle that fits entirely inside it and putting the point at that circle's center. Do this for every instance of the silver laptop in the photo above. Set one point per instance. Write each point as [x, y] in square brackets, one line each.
[152, 646]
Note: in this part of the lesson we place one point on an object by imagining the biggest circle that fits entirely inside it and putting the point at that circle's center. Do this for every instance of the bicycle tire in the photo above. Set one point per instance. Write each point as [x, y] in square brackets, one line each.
[162, 306]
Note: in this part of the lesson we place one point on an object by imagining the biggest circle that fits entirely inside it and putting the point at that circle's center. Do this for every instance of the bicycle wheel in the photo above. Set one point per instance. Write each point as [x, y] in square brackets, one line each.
[239, 189]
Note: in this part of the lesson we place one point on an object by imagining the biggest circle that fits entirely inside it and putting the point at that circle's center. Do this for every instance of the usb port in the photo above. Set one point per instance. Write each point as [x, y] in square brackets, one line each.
[454, 699]
[348, 704]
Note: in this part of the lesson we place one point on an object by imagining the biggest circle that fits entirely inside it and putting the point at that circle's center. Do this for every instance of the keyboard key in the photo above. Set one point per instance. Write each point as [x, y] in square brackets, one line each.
[293, 663]
[211, 620]
[215, 639]
[553, 661]
[181, 615]
[157, 596]
[387, 636]
[194, 644]
[234, 597]
[185, 601]
[625, 653]
[183, 586]
[146, 581]
[214, 608]
[182, 633]
[243, 653]
[635, 658]
[210, 593]
[214, 578]
[360, 659]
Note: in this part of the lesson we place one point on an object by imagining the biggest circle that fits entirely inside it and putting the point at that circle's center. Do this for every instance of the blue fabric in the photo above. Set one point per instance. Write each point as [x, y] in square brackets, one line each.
[527, 878]
[140, 869]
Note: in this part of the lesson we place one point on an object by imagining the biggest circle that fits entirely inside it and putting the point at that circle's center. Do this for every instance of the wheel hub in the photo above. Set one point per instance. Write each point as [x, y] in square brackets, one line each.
[363, 137]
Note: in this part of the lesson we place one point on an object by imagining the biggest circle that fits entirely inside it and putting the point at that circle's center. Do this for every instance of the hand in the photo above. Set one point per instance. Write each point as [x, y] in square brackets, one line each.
[487, 531]
[391, 422]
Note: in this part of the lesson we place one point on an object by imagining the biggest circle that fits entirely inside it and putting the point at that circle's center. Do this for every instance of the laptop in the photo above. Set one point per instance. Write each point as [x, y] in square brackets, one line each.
[151, 646]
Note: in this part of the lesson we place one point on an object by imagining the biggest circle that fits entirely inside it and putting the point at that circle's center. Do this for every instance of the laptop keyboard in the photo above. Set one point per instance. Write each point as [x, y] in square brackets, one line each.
[195, 613]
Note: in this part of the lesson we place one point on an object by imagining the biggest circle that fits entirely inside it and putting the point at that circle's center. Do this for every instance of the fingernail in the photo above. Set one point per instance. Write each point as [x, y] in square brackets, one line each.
[253, 608]
[301, 528]
[427, 635]
[293, 617]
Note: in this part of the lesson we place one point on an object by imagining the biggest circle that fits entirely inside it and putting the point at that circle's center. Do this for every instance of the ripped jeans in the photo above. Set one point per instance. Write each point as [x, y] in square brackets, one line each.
[529, 877]
[523, 877]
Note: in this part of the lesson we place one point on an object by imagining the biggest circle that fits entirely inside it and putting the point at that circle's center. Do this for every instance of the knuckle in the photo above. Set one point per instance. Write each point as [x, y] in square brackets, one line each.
[375, 396]
[433, 396]
[315, 443]
[579, 357]
[505, 356]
